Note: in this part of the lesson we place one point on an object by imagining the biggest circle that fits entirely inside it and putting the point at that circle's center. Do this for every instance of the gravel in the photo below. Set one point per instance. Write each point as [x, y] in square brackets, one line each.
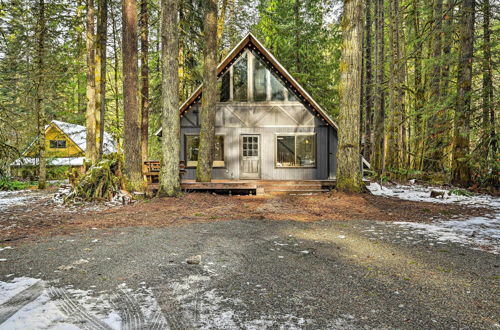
[277, 274]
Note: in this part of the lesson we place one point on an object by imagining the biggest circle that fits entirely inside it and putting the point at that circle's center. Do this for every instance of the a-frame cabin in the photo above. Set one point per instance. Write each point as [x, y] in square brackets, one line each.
[267, 126]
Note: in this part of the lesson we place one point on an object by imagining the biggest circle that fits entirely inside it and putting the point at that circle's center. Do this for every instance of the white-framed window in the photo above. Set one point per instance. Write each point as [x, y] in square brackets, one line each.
[192, 146]
[296, 150]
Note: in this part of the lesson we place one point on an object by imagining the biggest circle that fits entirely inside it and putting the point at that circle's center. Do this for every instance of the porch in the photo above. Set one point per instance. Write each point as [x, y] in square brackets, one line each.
[255, 187]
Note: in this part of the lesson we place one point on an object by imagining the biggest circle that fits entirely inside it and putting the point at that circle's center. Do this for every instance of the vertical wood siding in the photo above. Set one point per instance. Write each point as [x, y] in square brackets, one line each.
[266, 120]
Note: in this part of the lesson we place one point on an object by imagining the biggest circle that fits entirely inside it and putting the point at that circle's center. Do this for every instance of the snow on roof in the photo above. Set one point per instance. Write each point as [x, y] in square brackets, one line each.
[63, 161]
[78, 134]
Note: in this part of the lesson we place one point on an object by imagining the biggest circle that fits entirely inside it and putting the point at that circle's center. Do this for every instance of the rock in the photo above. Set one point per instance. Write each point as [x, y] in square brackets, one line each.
[437, 194]
[194, 260]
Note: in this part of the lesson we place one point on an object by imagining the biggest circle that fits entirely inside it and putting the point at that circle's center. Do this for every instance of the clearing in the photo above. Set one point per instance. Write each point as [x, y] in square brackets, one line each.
[207, 261]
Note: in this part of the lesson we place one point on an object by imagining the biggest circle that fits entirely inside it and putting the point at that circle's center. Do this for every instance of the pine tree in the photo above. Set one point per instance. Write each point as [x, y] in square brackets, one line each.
[461, 172]
[349, 177]
[132, 129]
[90, 116]
[144, 27]
[169, 176]
[209, 96]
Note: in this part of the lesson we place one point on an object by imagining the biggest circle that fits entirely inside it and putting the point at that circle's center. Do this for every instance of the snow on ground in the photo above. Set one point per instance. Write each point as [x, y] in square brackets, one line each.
[27, 303]
[479, 232]
[19, 197]
[192, 303]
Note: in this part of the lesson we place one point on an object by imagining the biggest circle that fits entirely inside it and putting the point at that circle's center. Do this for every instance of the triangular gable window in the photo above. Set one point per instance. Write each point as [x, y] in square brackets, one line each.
[249, 79]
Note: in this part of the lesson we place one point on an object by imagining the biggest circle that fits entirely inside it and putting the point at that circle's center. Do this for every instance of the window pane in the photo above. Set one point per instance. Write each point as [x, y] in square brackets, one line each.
[285, 151]
[259, 80]
[277, 89]
[292, 96]
[240, 82]
[224, 87]
[192, 145]
[192, 149]
[53, 143]
[219, 148]
[306, 150]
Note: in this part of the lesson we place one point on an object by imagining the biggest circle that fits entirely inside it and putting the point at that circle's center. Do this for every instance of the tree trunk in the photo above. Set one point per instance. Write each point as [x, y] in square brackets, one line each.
[90, 116]
[368, 82]
[116, 81]
[419, 89]
[461, 173]
[132, 138]
[349, 162]
[100, 74]
[39, 108]
[379, 97]
[209, 96]
[488, 120]
[169, 177]
[144, 22]
[434, 155]
[396, 94]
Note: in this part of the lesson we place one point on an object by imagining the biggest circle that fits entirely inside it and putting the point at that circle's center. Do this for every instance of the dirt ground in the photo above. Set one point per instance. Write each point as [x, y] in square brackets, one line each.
[41, 217]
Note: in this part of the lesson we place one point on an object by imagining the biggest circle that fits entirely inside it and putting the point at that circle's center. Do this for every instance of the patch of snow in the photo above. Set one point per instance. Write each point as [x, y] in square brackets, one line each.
[3, 259]
[420, 193]
[477, 231]
[18, 284]
[68, 308]
[18, 197]
[481, 232]
[5, 248]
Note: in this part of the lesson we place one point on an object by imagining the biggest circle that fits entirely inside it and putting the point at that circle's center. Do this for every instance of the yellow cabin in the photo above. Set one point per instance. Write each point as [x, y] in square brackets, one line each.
[65, 146]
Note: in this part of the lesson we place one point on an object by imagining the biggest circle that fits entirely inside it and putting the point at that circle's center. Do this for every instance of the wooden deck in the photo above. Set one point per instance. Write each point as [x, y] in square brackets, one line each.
[256, 187]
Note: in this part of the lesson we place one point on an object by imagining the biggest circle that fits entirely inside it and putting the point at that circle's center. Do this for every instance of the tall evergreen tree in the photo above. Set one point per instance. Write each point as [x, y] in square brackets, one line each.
[90, 116]
[169, 176]
[209, 96]
[132, 128]
[39, 107]
[461, 172]
[349, 177]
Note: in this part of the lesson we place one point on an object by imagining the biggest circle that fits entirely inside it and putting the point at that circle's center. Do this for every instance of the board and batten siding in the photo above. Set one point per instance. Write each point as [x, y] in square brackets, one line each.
[266, 119]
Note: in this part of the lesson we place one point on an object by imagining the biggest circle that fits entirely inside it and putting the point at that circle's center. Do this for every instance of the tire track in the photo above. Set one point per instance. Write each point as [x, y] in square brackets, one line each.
[129, 310]
[71, 308]
[14, 304]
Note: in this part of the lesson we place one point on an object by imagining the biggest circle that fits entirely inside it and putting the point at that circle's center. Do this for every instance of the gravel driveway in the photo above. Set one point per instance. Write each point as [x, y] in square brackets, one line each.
[253, 274]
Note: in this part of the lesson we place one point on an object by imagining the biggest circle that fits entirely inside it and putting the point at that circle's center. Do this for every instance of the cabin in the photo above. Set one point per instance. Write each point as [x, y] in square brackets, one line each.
[267, 126]
[65, 146]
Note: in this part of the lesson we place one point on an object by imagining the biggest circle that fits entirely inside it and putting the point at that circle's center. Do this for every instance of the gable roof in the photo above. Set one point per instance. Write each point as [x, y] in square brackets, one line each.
[78, 134]
[250, 42]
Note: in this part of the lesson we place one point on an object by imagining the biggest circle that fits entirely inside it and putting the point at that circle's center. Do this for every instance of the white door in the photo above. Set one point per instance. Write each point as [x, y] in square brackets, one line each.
[250, 157]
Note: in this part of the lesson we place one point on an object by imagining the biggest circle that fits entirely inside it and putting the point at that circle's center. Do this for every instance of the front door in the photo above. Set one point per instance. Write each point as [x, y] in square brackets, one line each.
[250, 157]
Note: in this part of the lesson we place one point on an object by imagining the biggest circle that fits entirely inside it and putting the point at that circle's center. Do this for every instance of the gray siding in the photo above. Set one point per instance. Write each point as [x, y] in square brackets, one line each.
[266, 120]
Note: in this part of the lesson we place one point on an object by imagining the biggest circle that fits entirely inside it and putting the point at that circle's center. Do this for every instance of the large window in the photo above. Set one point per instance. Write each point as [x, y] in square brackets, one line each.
[277, 89]
[259, 80]
[57, 144]
[240, 79]
[192, 148]
[223, 85]
[296, 150]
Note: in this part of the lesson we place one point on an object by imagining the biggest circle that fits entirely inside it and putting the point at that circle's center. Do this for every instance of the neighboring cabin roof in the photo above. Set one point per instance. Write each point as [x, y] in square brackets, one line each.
[78, 134]
[249, 41]
[66, 161]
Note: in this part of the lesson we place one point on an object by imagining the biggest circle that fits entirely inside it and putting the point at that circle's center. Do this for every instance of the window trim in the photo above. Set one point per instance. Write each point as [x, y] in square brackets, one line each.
[276, 135]
[197, 134]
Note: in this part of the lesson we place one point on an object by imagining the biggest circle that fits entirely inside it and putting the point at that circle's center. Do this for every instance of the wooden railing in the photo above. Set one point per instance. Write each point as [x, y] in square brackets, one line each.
[151, 170]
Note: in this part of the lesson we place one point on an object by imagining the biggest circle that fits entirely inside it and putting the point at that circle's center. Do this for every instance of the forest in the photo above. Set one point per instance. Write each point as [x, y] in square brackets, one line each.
[413, 84]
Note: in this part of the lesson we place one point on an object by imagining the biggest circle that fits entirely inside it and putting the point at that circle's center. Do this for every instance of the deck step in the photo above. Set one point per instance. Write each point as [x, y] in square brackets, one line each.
[296, 192]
